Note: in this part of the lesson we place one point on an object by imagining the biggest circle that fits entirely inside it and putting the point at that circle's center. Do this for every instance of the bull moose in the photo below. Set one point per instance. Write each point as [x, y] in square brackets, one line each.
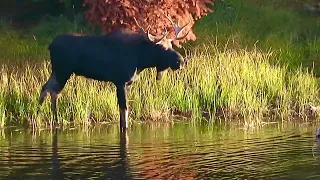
[117, 57]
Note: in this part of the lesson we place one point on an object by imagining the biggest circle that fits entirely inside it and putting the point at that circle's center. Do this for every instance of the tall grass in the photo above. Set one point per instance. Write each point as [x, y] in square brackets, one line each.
[282, 26]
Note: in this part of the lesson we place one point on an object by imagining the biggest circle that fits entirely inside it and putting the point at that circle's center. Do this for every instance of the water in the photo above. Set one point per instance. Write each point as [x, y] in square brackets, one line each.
[162, 151]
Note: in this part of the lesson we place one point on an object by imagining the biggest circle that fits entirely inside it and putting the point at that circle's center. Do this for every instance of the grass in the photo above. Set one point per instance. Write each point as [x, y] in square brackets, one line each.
[248, 66]
[281, 26]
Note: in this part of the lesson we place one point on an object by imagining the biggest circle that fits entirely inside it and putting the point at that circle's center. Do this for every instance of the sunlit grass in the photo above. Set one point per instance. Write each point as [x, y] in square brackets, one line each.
[281, 26]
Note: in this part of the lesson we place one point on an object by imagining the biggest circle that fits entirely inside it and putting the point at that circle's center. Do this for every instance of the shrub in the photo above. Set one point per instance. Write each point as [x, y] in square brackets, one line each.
[114, 14]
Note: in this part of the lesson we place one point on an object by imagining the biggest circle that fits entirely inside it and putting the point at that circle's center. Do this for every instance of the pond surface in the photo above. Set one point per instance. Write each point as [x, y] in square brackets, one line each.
[162, 151]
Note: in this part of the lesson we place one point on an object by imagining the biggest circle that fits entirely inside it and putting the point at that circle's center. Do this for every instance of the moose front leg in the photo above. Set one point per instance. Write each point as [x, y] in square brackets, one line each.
[123, 107]
[160, 72]
[159, 75]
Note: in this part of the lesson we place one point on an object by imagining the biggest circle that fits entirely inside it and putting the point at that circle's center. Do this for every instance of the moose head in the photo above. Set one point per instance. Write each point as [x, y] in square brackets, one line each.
[162, 39]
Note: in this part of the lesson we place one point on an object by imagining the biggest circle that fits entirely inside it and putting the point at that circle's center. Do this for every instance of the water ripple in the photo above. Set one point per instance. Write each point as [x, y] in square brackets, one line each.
[176, 152]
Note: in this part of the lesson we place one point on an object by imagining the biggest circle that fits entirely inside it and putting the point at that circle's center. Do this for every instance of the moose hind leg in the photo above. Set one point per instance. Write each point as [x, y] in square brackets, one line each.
[54, 102]
[53, 86]
[49, 86]
[42, 97]
[44, 92]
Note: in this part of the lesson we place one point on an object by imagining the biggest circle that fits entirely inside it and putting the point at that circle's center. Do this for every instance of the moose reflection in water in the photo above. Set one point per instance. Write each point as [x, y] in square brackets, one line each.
[153, 166]
[57, 173]
[115, 170]
[35, 158]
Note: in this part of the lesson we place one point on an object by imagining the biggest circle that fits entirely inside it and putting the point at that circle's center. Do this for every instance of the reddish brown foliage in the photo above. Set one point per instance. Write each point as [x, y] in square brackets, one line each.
[114, 14]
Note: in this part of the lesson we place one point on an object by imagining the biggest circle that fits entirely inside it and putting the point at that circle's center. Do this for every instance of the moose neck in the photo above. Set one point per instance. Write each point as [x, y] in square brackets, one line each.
[151, 56]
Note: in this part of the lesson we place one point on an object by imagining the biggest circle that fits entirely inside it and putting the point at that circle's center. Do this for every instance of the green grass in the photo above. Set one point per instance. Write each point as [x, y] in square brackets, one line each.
[248, 66]
[281, 26]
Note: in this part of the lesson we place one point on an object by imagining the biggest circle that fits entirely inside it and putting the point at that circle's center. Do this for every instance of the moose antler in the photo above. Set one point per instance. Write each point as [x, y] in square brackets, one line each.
[166, 42]
[178, 30]
[141, 30]
[151, 37]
